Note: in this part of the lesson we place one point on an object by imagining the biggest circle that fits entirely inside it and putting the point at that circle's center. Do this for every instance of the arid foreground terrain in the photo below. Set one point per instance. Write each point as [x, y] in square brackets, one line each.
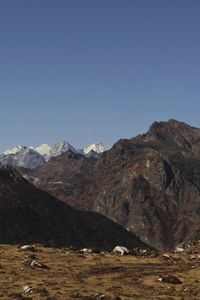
[50, 273]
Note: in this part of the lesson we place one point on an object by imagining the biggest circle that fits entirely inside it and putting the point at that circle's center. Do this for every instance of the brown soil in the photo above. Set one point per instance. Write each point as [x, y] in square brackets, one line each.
[72, 275]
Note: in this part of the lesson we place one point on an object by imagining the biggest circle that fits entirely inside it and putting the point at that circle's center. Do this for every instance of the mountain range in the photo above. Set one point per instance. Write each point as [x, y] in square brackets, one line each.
[149, 184]
[30, 157]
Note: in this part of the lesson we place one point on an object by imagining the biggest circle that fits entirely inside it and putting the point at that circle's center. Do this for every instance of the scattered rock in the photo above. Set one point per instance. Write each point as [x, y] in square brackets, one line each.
[121, 250]
[34, 264]
[28, 247]
[86, 250]
[178, 250]
[192, 257]
[170, 279]
[187, 289]
[166, 256]
[144, 252]
[28, 289]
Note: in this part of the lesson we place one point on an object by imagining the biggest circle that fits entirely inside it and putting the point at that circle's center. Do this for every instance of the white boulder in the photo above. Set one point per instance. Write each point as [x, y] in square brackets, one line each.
[86, 250]
[121, 250]
[178, 250]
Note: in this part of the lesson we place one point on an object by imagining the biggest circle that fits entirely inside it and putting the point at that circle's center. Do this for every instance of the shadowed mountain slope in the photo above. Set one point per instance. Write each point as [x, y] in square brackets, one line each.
[29, 215]
[59, 174]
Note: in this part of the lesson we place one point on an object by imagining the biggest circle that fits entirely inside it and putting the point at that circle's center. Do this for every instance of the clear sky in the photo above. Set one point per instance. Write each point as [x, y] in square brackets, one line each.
[96, 70]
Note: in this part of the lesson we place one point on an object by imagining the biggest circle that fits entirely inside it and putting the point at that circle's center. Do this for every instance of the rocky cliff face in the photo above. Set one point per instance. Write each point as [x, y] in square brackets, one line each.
[151, 184]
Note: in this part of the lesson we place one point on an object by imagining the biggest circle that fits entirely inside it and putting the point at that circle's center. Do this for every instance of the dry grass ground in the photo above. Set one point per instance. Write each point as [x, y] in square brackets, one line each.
[72, 275]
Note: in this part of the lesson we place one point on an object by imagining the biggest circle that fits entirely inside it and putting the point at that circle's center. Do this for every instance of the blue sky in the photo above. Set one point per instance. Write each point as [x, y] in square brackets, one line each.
[96, 70]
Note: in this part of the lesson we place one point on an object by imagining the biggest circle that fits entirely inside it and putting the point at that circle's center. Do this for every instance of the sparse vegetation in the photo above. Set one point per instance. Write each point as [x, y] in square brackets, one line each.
[74, 275]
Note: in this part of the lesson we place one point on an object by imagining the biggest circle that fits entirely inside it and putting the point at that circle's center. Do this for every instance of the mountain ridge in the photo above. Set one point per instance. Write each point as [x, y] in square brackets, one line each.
[15, 157]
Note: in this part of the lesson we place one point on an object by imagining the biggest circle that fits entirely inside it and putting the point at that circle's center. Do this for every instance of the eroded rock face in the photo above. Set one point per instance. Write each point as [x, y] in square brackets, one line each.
[151, 184]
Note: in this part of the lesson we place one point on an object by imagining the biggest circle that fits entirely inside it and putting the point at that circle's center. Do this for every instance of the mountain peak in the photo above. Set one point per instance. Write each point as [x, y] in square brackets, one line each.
[14, 150]
[174, 133]
[21, 156]
[25, 157]
[44, 150]
[61, 147]
[98, 148]
[171, 123]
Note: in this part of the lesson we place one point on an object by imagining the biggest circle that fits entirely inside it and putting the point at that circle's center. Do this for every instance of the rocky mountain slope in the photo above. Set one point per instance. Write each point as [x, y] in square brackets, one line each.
[29, 215]
[60, 173]
[60, 148]
[149, 184]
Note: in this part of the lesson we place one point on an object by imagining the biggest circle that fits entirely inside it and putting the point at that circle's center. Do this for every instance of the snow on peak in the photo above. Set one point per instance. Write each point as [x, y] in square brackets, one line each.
[44, 150]
[30, 157]
[25, 157]
[14, 150]
[60, 148]
[98, 148]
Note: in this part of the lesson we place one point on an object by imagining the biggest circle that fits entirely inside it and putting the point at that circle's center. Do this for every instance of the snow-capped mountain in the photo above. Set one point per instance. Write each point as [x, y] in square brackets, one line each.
[30, 157]
[98, 148]
[26, 158]
[52, 151]
[14, 150]
[60, 148]
[44, 150]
